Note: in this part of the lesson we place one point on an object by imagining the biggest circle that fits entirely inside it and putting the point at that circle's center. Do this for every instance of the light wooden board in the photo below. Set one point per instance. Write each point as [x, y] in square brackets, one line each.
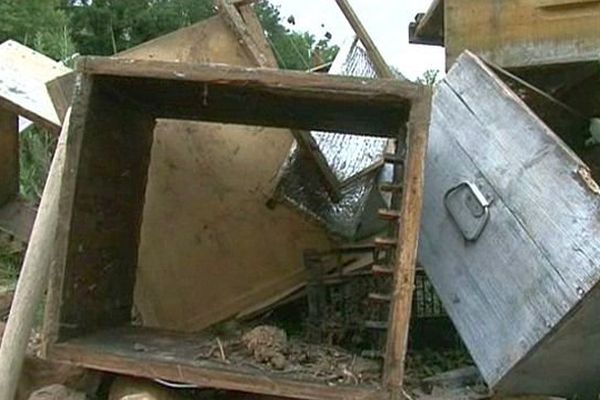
[537, 257]
[210, 248]
[23, 77]
[523, 32]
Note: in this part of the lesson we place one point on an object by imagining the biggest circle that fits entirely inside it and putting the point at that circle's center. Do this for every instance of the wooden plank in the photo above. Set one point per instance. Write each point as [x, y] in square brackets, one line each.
[257, 35]
[276, 81]
[279, 99]
[16, 218]
[506, 291]
[429, 28]
[381, 67]
[235, 21]
[575, 343]
[9, 156]
[100, 214]
[23, 77]
[406, 252]
[172, 356]
[60, 91]
[527, 34]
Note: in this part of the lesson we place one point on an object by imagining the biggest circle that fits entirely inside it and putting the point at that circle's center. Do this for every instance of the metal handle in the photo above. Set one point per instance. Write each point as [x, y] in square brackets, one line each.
[469, 209]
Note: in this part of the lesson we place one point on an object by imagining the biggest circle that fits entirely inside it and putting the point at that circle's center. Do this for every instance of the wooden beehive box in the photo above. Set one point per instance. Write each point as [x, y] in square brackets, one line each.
[517, 33]
[118, 101]
[511, 231]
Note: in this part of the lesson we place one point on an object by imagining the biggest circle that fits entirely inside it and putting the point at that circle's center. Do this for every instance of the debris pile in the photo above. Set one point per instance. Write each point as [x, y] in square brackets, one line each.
[213, 224]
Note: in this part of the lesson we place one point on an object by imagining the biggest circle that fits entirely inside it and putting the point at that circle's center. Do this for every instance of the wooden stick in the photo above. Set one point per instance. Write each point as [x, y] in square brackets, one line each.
[406, 253]
[33, 278]
[381, 67]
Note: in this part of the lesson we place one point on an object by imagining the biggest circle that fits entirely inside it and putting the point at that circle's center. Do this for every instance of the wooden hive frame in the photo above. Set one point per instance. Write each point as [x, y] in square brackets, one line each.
[88, 316]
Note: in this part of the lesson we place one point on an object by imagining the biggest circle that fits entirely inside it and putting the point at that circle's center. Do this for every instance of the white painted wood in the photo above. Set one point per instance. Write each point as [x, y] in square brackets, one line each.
[23, 77]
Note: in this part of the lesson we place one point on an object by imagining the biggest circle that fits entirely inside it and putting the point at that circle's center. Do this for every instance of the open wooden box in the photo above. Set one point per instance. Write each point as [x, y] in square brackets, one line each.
[89, 311]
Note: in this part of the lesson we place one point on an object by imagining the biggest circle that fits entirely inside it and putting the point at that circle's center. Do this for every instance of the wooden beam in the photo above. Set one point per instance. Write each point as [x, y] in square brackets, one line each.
[260, 97]
[428, 28]
[61, 93]
[9, 155]
[236, 23]
[406, 252]
[32, 280]
[381, 67]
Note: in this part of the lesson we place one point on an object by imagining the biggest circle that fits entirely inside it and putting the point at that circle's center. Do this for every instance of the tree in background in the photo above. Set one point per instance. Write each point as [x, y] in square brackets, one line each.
[294, 50]
[61, 28]
[40, 24]
[106, 27]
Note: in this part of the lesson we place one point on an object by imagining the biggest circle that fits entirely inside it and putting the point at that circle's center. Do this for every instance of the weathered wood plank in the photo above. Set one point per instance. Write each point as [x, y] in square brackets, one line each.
[23, 77]
[429, 29]
[9, 156]
[258, 96]
[407, 243]
[173, 357]
[526, 33]
[100, 213]
[314, 85]
[535, 260]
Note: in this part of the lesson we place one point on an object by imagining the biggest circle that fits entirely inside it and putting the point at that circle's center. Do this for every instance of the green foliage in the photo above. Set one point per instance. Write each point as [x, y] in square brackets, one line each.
[36, 149]
[429, 77]
[40, 24]
[294, 50]
[106, 27]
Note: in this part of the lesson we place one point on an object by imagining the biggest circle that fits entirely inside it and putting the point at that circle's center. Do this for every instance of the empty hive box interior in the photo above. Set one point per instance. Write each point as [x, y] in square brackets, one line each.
[90, 319]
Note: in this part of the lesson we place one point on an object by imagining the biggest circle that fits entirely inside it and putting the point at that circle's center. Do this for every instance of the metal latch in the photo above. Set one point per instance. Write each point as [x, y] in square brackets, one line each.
[469, 209]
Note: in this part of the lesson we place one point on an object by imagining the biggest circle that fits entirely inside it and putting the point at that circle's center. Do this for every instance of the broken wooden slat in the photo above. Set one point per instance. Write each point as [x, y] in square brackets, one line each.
[382, 270]
[391, 187]
[385, 242]
[176, 356]
[9, 156]
[389, 215]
